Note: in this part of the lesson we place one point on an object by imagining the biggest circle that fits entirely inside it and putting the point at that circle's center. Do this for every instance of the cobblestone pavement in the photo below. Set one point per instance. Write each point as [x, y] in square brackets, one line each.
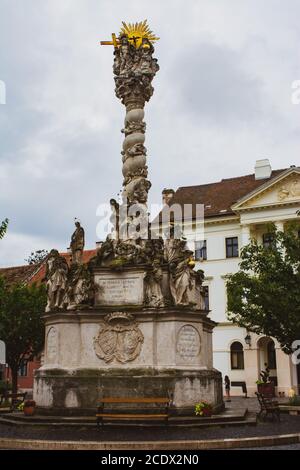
[241, 403]
[288, 425]
[288, 447]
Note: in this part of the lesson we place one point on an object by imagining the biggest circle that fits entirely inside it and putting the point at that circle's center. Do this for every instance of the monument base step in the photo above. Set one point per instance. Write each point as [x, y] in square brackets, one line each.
[227, 418]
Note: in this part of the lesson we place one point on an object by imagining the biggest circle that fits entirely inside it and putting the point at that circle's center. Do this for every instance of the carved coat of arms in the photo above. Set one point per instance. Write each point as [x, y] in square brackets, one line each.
[120, 338]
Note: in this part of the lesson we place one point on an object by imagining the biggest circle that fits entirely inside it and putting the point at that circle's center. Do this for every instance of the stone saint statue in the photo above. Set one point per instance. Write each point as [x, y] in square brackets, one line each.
[77, 244]
[56, 280]
[115, 219]
[80, 286]
[153, 281]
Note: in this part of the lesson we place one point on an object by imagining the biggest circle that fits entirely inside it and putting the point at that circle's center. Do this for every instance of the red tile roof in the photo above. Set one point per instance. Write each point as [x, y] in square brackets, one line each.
[18, 274]
[35, 273]
[219, 197]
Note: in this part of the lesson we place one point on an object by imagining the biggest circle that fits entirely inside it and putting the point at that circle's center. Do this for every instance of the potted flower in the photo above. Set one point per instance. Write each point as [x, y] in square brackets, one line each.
[29, 407]
[264, 386]
[203, 409]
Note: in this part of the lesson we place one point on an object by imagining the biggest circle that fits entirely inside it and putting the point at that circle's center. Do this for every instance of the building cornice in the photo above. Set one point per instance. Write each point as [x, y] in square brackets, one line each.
[217, 220]
[274, 205]
[268, 186]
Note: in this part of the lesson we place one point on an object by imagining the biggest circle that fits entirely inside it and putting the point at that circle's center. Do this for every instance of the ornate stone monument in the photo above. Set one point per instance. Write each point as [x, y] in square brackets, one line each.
[132, 322]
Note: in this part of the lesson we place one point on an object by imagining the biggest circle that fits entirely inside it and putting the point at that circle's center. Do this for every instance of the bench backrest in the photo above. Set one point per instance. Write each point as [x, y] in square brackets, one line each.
[14, 395]
[264, 402]
[134, 400]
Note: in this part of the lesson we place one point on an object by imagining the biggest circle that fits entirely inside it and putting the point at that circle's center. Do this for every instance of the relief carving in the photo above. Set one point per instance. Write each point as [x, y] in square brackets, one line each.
[290, 190]
[119, 339]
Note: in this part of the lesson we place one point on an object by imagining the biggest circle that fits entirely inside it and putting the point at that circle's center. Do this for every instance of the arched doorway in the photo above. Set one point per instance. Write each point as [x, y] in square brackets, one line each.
[267, 357]
[237, 356]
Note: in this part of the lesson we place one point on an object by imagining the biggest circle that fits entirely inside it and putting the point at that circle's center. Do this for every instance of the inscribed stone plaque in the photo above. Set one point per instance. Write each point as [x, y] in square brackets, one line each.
[52, 344]
[120, 290]
[188, 342]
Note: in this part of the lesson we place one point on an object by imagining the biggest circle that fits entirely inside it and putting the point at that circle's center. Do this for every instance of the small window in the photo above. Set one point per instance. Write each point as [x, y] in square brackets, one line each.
[237, 356]
[206, 297]
[232, 247]
[200, 250]
[268, 239]
[23, 370]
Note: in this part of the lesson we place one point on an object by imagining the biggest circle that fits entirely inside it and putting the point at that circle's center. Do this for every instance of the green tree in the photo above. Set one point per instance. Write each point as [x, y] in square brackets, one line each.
[264, 296]
[3, 228]
[21, 323]
[37, 256]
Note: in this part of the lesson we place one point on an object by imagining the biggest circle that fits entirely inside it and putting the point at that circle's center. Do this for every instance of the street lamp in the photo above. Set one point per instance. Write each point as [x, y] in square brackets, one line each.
[248, 340]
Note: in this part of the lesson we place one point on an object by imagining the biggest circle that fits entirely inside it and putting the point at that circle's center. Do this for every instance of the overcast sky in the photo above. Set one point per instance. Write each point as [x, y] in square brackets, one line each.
[222, 100]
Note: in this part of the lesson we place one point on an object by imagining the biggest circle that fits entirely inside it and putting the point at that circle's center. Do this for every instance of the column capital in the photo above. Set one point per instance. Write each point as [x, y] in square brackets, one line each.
[279, 224]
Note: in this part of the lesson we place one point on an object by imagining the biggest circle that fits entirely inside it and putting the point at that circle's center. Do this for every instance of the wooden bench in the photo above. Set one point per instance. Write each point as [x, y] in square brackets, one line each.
[242, 385]
[162, 412]
[268, 406]
[14, 397]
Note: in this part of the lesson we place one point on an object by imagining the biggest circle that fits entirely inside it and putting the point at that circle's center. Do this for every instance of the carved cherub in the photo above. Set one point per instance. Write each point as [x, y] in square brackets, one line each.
[136, 149]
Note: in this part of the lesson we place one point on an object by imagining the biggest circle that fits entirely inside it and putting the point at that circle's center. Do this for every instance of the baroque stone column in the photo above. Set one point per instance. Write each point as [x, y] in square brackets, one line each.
[134, 69]
[245, 235]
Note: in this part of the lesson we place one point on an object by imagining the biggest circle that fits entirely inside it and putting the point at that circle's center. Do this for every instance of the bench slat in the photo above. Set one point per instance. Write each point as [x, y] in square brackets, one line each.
[129, 416]
[134, 400]
[13, 395]
[133, 414]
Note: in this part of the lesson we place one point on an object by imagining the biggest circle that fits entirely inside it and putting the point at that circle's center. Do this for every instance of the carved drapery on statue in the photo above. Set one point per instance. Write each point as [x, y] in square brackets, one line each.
[117, 254]
[185, 282]
[56, 280]
[134, 69]
[80, 290]
[69, 288]
[153, 293]
[77, 244]
[73, 288]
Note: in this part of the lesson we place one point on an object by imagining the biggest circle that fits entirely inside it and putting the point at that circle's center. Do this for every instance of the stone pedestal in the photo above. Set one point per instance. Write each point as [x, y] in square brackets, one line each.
[121, 348]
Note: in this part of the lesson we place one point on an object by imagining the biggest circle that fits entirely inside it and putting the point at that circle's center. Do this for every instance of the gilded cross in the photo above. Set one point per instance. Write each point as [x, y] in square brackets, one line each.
[115, 42]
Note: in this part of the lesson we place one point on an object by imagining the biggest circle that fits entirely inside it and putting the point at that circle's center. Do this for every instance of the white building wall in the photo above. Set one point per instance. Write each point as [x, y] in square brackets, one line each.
[216, 268]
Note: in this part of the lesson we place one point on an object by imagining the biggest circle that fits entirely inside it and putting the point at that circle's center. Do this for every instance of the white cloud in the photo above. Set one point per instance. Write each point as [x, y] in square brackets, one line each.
[222, 99]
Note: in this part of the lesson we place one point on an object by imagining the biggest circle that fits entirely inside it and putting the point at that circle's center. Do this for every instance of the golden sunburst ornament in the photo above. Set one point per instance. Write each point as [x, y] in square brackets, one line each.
[136, 32]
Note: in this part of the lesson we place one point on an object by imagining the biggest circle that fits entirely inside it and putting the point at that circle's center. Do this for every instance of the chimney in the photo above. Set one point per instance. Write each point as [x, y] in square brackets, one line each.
[263, 169]
[167, 195]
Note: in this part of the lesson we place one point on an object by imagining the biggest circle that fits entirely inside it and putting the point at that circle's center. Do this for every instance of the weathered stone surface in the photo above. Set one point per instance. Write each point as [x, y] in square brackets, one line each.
[52, 345]
[175, 357]
[125, 288]
[119, 338]
[188, 343]
[161, 329]
[134, 69]
[56, 280]
[77, 244]
[85, 387]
